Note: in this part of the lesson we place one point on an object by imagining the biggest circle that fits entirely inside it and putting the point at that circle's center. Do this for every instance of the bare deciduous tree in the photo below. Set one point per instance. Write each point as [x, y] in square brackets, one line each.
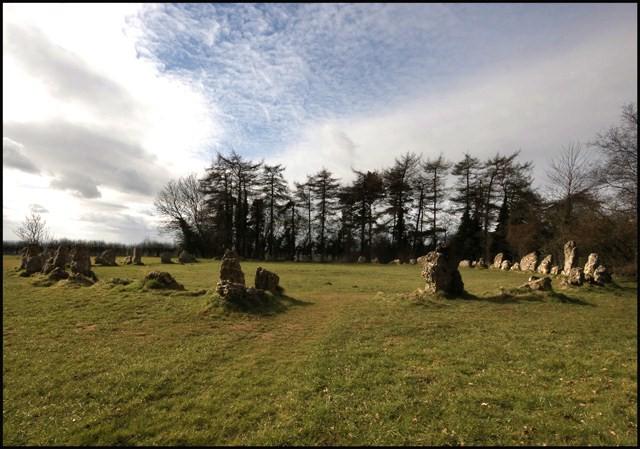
[619, 146]
[33, 230]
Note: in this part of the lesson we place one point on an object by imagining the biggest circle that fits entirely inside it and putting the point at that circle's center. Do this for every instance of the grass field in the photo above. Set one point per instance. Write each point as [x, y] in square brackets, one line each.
[350, 361]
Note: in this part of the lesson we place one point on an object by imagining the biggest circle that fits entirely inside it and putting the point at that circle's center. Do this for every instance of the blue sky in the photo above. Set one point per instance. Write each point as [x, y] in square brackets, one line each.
[103, 104]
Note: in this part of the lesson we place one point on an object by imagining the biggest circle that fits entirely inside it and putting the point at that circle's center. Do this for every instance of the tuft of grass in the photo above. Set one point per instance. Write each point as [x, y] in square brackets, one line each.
[340, 365]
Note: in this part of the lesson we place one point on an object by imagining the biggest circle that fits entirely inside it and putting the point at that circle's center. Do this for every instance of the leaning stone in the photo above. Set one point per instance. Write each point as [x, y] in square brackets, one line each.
[590, 267]
[529, 262]
[57, 274]
[267, 280]
[27, 252]
[441, 273]
[464, 264]
[545, 265]
[569, 257]
[555, 270]
[230, 269]
[362, 259]
[165, 257]
[497, 261]
[515, 266]
[505, 265]
[161, 280]
[186, 257]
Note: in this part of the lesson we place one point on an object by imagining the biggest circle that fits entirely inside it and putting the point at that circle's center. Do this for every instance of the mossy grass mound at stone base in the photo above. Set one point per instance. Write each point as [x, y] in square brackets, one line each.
[161, 280]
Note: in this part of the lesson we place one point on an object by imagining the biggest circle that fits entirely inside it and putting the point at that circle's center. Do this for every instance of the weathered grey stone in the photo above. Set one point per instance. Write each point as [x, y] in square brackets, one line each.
[497, 261]
[33, 264]
[505, 265]
[57, 273]
[27, 252]
[107, 257]
[81, 263]
[267, 280]
[161, 280]
[413, 261]
[362, 259]
[545, 265]
[375, 260]
[58, 260]
[555, 270]
[230, 268]
[136, 259]
[601, 275]
[165, 257]
[542, 284]
[576, 276]
[474, 263]
[569, 257]
[464, 264]
[441, 273]
[395, 262]
[590, 267]
[481, 263]
[515, 266]
[421, 260]
[529, 262]
[186, 257]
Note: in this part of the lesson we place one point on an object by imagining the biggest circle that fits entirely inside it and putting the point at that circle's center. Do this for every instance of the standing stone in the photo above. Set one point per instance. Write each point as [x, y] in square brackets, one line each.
[464, 264]
[601, 275]
[81, 263]
[165, 257]
[361, 259]
[515, 266]
[441, 273]
[58, 260]
[569, 256]
[375, 260]
[481, 263]
[266, 280]
[576, 276]
[107, 257]
[505, 265]
[33, 264]
[230, 268]
[545, 265]
[529, 262]
[137, 257]
[590, 266]
[29, 251]
[555, 270]
[395, 262]
[421, 259]
[474, 263]
[497, 261]
[186, 257]
[413, 261]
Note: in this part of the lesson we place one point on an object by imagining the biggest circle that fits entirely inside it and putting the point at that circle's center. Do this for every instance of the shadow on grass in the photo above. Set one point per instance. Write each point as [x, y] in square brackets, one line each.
[518, 296]
[263, 305]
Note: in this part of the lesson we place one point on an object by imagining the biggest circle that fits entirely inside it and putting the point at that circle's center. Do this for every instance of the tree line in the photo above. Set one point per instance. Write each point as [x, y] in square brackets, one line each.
[407, 209]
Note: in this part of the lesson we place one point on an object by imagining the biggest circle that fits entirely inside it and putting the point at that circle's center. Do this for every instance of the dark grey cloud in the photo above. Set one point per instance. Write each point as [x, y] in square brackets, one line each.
[12, 156]
[39, 209]
[120, 227]
[83, 158]
[67, 76]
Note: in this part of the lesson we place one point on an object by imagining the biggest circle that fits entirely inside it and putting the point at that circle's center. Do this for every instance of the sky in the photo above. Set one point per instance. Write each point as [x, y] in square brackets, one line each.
[103, 104]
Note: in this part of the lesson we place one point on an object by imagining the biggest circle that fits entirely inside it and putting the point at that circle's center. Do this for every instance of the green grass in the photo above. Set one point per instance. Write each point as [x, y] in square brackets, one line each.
[347, 359]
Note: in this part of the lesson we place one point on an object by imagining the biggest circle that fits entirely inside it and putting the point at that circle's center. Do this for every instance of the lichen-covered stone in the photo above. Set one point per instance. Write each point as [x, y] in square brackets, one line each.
[601, 275]
[542, 284]
[57, 273]
[267, 280]
[107, 257]
[545, 265]
[161, 280]
[186, 257]
[412, 261]
[441, 274]
[576, 276]
[555, 270]
[515, 266]
[529, 262]
[165, 257]
[569, 257]
[497, 261]
[464, 264]
[230, 269]
[362, 259]
[505, 265]
[481, 263]
[590, 267]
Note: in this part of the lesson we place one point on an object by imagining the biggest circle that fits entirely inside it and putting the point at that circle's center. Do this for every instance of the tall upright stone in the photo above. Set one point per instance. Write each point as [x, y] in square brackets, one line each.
[440, 271]
[58, 260]
[497, 261]
[230, 269]
[81, 263]
[137, 256]
[590, 267]
[569, 257]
